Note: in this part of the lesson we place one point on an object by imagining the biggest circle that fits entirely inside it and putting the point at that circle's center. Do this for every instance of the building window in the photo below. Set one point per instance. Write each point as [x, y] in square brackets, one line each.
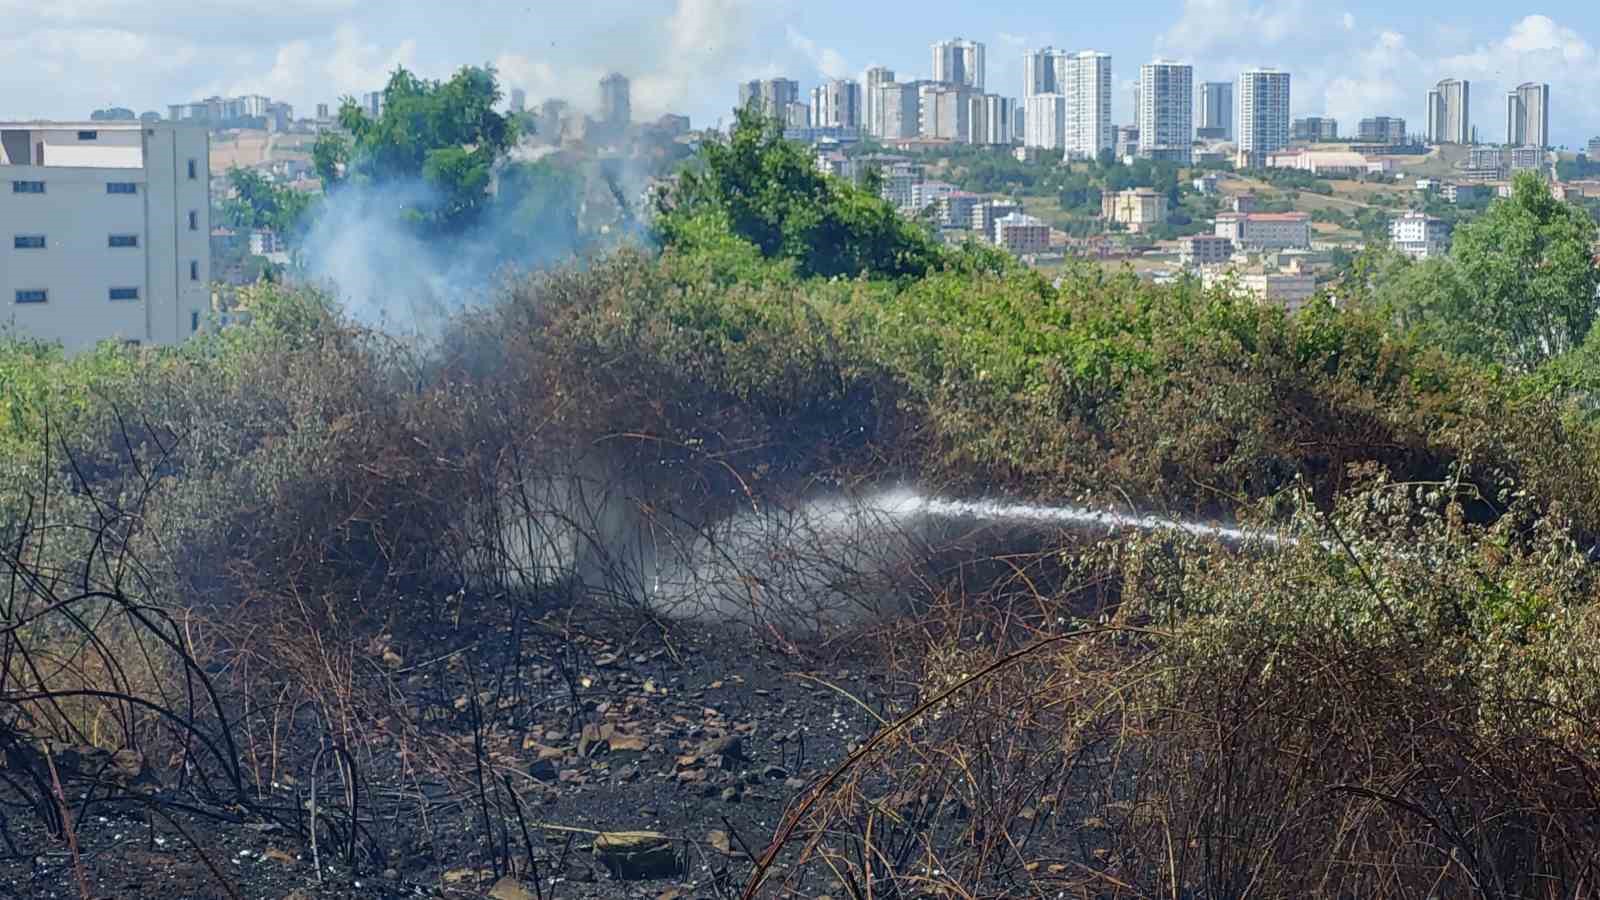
[194, 270]
[194, 321]
[36, 295]
[193, 170]
[28, 242]
[194, 220]
[27, 187]
[125, 293]
[122, 187]
[123, 240]
[88, 135]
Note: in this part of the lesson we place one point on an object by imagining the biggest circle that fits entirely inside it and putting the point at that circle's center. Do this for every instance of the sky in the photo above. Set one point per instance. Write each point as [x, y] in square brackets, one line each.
[1348, 59]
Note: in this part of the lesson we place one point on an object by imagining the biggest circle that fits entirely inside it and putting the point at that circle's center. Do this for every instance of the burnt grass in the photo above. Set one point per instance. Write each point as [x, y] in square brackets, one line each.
[571, 723]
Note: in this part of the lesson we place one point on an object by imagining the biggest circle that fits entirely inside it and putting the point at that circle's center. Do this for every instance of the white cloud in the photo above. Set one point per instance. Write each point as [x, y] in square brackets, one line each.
[1349, 22]
[828, 62]
[357, 66]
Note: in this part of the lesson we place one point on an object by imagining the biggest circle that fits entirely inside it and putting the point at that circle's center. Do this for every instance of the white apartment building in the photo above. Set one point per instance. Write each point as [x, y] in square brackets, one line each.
[1419, 235]
[1086, 82]
[898, 110]
[1166, 112]
[1265, 231]
[990, 119]
[1039, 69]
[1263, 113]
[945, 111]
[959, 62]
[1021, 234]
[105, 231]
[1450, 112]
[872, 82]
[1138, 209]
[836, 104]
[1045, 122]
[1528, 115]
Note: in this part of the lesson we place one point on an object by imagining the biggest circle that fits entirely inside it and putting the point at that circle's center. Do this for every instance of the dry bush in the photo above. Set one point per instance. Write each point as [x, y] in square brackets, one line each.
[1400, 705]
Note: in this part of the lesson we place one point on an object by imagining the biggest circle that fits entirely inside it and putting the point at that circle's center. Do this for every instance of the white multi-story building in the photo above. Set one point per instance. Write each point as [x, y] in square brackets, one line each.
[1021, 234]
[1201, 250]
[616, 104]
[990, 119]
[959, 62]
[1041, 70]
[945, 111]
[872, 82]
[1419, 235]
[109, 231]
[1263, 119]
[1166, 112]
[898, 110]
[1045, 122]
[836, 104]
[1265, 231]
[1528, 115]
[1450, 112]
[1216, 110]
[1086, 83]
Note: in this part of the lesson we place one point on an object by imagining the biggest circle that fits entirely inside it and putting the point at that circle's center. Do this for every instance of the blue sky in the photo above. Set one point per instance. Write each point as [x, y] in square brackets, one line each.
[1348, 59]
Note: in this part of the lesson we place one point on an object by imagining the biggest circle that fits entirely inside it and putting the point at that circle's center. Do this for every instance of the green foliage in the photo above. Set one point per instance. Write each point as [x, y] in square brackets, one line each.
[1519, 286]
[258, 203]
[445, 135]
[767, 191]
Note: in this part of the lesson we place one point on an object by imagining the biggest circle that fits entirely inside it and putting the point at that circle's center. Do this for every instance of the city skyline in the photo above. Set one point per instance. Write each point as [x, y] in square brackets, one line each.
[1349, 61]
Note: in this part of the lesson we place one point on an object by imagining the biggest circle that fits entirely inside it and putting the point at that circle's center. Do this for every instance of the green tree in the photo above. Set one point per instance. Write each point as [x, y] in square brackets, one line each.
[258, 203]
[444, 135]
[1528, 277]
[769, 192]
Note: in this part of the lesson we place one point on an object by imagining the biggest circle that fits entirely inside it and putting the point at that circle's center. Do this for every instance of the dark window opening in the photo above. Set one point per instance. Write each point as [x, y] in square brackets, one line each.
[125, 293]
[28, 242]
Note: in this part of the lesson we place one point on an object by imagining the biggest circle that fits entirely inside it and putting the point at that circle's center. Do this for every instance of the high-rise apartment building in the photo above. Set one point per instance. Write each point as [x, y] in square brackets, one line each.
[1314, 128]
[770, 97]
[872, 80]
[519, 102]
[616, 106]
[1216, 110]
[1594, 148]
[1528, 115]
[1166, 112]
[959, 62]
[1263, 114]
[836, 104]
[797, 116]
[1450, 112]
[945, 110]
[1039, 72]
[990, 119]
[1045, 122]
[899, 110]
[111, 231]
[1382, 130]
[1086, 84]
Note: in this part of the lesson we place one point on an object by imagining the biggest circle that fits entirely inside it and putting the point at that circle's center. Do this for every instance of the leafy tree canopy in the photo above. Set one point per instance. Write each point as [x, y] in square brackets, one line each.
[444, 135]
[1519, 286]
[259, 203]
[768, 191]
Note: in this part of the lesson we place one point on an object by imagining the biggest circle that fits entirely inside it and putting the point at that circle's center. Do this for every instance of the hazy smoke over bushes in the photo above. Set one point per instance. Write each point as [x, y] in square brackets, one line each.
[369, 246]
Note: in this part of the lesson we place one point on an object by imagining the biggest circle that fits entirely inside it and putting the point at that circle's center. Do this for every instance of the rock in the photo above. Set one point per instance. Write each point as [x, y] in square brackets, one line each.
[637, 855]
[392, 659]
[720, 842]
[570, 776]
[508, 888]
[543, 770]
[691, 776]
[391, 874]
[628, 743]
[776, 773]
[795, 784]
[728, 751]
[731, 795]
[595, 739]
[278, 856]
